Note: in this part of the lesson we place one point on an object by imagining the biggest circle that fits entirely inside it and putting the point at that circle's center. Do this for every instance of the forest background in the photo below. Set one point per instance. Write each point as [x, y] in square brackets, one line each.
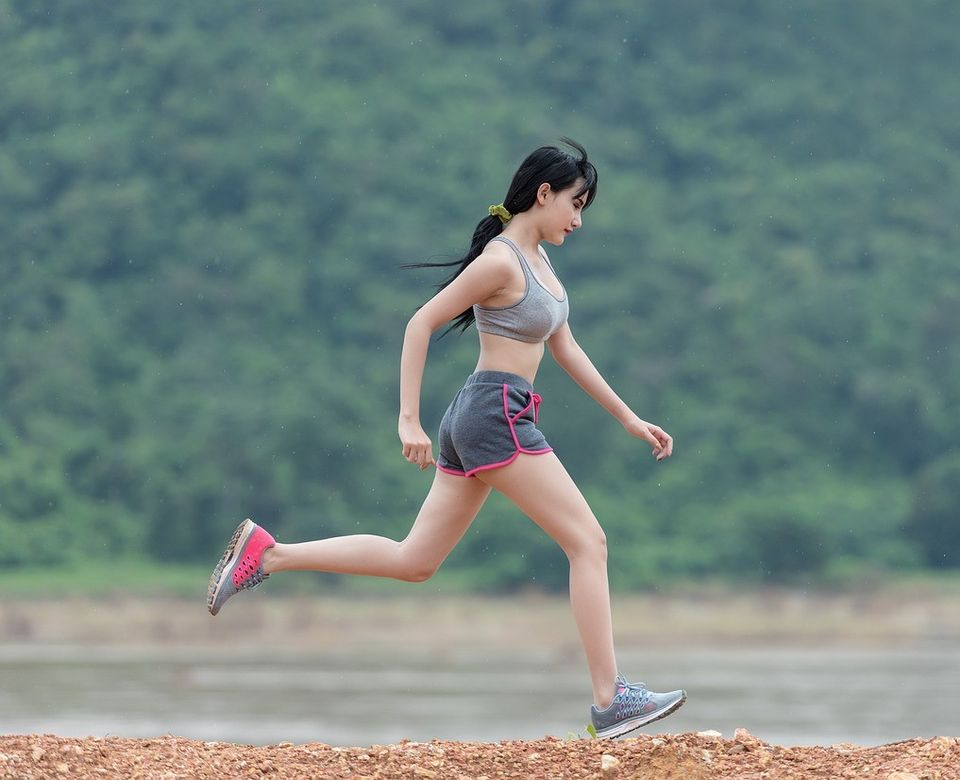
[206, 206]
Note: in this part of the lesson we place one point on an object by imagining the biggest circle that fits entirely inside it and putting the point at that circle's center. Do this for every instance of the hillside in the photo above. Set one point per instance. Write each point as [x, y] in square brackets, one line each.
[206, 208]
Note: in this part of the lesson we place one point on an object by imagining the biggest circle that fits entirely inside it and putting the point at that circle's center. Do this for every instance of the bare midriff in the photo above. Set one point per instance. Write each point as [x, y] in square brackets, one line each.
[499, 353]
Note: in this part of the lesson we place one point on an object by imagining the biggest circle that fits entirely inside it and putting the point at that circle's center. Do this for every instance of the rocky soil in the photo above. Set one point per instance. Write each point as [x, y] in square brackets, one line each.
[701, 756]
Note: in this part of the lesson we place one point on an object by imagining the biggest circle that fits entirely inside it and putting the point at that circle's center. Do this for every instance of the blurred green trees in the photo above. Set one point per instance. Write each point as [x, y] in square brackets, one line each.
[932, 521]
[205, 210]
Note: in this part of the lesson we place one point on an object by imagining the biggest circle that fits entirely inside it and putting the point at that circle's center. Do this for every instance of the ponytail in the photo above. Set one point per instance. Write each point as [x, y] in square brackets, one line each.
[556, 167]
[487, 229]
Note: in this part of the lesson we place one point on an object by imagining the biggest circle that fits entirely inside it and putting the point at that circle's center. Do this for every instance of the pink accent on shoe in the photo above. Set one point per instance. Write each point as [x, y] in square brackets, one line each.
[252, 555]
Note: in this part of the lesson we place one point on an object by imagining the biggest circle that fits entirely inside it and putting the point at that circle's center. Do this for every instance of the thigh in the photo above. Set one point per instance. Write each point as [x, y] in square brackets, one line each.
[543, 490]
[447, 511]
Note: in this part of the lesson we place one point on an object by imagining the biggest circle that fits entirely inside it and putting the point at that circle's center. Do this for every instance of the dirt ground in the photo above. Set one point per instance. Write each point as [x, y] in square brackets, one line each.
[702, 756]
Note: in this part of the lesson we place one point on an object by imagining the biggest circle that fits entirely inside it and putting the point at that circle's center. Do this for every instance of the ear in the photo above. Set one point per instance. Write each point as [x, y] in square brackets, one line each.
[542, 191]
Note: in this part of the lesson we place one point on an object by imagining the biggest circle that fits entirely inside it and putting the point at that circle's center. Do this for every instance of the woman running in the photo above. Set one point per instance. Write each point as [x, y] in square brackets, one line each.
[488, 437]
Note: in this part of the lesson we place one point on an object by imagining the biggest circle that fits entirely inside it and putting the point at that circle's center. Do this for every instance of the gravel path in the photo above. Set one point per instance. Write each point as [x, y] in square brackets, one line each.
[700, 756]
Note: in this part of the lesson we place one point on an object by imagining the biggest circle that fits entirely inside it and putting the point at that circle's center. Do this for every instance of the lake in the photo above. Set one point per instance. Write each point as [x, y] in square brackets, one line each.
[784, 695]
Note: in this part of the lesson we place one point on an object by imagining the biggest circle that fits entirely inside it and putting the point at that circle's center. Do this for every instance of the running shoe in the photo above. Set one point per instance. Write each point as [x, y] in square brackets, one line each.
[241, 566]
[633, 706]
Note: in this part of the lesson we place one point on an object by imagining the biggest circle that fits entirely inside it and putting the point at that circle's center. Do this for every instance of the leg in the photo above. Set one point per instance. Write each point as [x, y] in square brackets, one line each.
[541, 487]
[449, 508]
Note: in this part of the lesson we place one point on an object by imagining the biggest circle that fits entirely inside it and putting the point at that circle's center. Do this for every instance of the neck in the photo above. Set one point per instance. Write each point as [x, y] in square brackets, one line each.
[524, 232]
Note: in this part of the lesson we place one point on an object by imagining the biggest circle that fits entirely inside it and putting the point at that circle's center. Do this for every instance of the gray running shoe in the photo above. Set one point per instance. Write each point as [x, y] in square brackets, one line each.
[633, 706]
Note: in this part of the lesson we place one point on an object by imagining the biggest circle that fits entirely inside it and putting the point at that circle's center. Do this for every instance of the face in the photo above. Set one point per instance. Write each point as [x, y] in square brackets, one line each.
[561, 211]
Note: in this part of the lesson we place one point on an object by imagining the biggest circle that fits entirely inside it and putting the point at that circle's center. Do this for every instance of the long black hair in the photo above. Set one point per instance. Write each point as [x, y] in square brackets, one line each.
[558, 168]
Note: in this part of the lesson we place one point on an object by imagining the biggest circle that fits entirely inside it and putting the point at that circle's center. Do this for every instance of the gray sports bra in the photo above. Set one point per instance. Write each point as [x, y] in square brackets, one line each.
[535, 317]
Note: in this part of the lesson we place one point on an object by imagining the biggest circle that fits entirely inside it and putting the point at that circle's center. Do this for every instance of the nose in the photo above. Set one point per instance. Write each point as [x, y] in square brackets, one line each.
[577, 222]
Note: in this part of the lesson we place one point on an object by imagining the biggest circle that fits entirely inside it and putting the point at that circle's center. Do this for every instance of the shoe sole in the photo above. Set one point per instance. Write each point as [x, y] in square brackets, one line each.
[218, 579]
[626, 726]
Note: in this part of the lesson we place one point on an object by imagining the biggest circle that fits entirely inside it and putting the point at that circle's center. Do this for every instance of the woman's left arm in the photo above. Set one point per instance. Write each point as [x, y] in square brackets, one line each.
[572, 359]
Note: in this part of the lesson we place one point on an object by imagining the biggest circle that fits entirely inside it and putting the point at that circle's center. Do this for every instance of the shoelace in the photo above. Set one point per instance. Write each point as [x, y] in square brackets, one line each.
[246, 576]
[253, 580]
[631, 698]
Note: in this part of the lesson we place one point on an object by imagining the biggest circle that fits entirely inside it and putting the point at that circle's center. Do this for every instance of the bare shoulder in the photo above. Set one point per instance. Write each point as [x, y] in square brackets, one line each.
[496, 265]
[497, 256]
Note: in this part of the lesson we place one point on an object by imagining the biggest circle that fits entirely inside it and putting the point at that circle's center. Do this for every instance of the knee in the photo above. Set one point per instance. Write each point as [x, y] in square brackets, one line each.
[417, 573]
[599, 544]
[590, 543]
[414, 568]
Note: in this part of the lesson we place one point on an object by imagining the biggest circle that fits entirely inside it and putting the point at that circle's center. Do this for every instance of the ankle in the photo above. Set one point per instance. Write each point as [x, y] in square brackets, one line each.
[269, 561]
[604, 692]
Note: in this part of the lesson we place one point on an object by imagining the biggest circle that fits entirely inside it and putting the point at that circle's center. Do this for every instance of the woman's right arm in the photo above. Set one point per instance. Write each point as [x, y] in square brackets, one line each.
[480, 280]
[416, 444]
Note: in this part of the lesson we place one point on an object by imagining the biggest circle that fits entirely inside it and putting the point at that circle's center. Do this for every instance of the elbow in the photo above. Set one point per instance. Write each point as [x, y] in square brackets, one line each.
[420, 326]
[416, 322]
[424, 321]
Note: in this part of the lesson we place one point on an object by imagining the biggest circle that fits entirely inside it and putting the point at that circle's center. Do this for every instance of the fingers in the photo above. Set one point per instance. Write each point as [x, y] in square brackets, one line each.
[424, 458]
[419, 454]
[663, 443]
[659, 439]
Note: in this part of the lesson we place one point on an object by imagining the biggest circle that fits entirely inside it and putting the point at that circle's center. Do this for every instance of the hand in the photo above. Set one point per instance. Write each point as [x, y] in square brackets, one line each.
[417, 447]
[661, 440]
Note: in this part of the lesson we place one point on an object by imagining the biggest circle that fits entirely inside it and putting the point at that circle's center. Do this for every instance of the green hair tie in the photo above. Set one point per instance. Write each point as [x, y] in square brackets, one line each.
[500, 211]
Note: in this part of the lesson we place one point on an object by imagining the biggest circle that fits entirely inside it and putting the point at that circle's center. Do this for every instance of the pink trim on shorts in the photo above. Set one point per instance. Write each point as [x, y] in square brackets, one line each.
[446, 470]
[534, 401]
[489, 466]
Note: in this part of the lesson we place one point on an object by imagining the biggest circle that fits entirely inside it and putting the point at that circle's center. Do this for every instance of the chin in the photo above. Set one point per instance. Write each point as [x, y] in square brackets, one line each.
[558, 240]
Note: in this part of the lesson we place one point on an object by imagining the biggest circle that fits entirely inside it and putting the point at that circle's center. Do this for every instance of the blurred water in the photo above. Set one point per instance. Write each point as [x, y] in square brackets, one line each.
[785, 696]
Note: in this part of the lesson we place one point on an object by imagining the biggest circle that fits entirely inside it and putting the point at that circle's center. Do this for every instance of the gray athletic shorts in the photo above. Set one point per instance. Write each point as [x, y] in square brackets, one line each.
[490, 422]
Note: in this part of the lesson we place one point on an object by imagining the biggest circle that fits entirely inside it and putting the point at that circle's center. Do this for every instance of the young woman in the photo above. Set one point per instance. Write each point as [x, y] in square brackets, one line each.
[489, 437]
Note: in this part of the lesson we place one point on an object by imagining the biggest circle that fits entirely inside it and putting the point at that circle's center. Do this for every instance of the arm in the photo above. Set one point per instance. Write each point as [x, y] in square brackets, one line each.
[572, 359]
[483, 278]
